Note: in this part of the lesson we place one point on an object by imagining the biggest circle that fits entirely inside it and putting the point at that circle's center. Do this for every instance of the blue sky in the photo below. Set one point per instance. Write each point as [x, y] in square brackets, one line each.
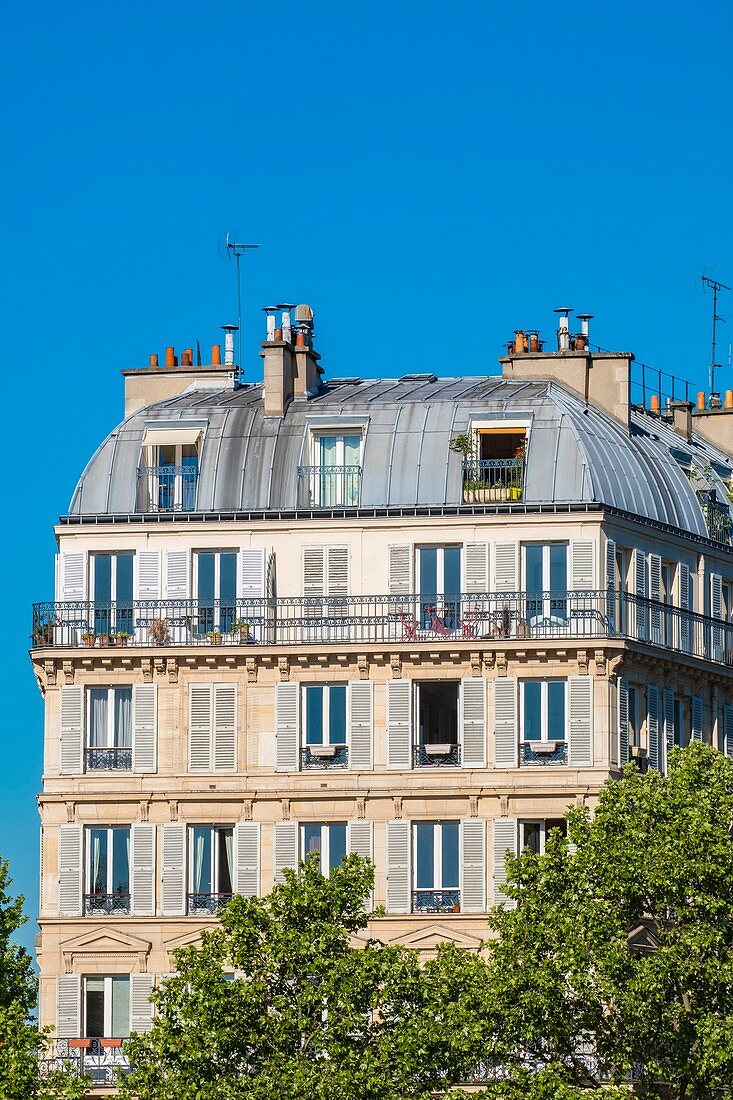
[427, 176]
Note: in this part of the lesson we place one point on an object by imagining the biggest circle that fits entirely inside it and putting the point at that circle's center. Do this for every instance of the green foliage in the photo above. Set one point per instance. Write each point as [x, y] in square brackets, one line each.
[311, 1014]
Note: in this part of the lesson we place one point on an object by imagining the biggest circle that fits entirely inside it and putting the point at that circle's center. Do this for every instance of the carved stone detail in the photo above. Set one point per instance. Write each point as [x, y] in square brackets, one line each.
[147, 667]
[363, 666]
[172, 667]
[70, 812]
[501, 663]
[361, 809]
[473, 806]
[69, 672]
[583, 662]
[251, 666]
[283, 666]
[145, 811]
[49, 667]
[601, 663]
[247, 809]
[504, 806]
[397, 808]
[285, 803]
[173, 809]
[475, 664]
[395, 663]
[159, 663]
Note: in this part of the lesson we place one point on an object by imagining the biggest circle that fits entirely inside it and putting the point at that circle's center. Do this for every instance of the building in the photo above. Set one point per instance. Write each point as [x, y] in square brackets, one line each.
[413, 618]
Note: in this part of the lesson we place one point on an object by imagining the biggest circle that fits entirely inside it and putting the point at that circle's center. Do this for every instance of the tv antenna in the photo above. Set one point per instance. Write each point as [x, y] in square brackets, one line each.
[235, 251]
[716, 287]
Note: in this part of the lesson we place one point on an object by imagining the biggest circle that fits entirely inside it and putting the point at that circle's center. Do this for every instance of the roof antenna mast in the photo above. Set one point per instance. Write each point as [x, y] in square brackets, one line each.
[716, 287]
[235, 251]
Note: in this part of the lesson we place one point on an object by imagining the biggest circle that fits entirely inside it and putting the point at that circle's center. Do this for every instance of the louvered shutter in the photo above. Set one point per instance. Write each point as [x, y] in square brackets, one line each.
[728, 729]
[337, 574]
[399, 724]
[716, 613]
[506, 733]
[642, 610]
[359, 843]
[174, 870]
[361, 725]
[314, 571]
[247, 859]
[473, 866]
[144, 727]
[476, 568]
[147, 575]
[611, 583]
[683, 574]
[655, 595]
[225, 727]
[287, 726]
[71, 756]
[505, 835]
[505, 567]
[176, 575]
[623, 722]
[668, 724]
[251, 573]
[399, 580]
[473, 722]
[71, 865]
[583, 565]
[285, 852]
[652, 725]
[73, 576]
[142, 859]
[200, 723]
[68, 1006]
[697, 718]
[398, 867]
[580, 729]
[141, 1007]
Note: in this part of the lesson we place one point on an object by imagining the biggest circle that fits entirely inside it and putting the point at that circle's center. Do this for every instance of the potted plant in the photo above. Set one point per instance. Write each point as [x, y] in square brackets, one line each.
[463, 444]
[158, 630]
[43, 633]
[214, 636]
[120, 638]
[241, 627]
[103, 638]
[88, 638]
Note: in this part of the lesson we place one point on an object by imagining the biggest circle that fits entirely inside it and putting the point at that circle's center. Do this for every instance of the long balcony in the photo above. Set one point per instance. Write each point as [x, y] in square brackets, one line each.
[379, 620]
[488, 480]
[329, 486]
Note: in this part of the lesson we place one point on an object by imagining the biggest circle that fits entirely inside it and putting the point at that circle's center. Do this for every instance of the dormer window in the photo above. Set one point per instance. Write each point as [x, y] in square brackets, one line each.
[494, 455]
[169, 470]
[333, 477]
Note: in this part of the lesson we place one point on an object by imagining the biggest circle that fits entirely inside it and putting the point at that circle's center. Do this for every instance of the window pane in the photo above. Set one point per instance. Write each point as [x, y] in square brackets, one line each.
[98, 718]
[337, 714]
[205, 577]
[531, 834]
[97, 861]
[328, 450]
[225, 867]
[123, 717]
[228, 577]
[314, 715]
[336, 844]
[312, 839]
[120, 861]
[452, 570]
[556, 710]
[533, 568]
[425, 857]
[167, 455]
[202, 861]
[120, 1008]
[102, 578]
[558, 567]
[532, 715]
[428, 559]
[124, 577]
[352, 448]
[94, 1007]
[450, 855]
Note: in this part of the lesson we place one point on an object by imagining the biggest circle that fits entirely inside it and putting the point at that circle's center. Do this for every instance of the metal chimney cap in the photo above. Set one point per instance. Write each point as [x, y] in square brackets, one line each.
[584, 316]
[230, 328]
[285, 305]
[563, 309]
[270, 309]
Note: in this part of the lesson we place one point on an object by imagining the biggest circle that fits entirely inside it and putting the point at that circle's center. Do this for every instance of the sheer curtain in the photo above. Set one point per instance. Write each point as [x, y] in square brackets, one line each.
[229, 849]
[98, 841]
[199, 844]
[98, 718]
[123, 718]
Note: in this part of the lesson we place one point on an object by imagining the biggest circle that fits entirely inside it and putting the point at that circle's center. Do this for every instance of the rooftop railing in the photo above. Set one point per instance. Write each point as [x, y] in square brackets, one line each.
[329, 486]
[492, 479]
[470, 618]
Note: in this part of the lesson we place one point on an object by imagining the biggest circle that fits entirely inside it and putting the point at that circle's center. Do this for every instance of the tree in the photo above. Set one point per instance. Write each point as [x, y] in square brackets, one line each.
[22, 1045]
[309, 1015]
[618, 955]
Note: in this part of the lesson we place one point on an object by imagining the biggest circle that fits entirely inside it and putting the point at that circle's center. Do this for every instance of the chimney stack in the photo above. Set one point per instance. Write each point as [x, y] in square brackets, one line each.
[563, 332]
[291, 371]
[229, 331]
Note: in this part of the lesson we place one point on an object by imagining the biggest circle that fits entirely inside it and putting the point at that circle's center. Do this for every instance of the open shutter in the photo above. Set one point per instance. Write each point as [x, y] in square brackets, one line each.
[361, 725]
[337, 572]
[71, 865]
[314, 571]
[716, 613]
[473, 722]
[399, 579]
[697, 718]
[285, 848]
[73, 576]
[142, 852]
[144, 733]
[225, 727]
[174, 870]
[359, 843]
[141, 1007]
[476, 568]
[611, 583]
[640, 591]
[505, 839]
[399, 724]
[251, 574]
[652, 725]
[473, 866]
[655, 595]
[506, 734]
[247, 859]
[668, 724]
[200, 721]
[582, 565]
[623, 722]
[505, 566]
[147, 575]
[580, 729]
[728, 729]
[68, 1007]
[287, 726]
[176, 575]
[683, 575]
[71, 756]
[398, 867]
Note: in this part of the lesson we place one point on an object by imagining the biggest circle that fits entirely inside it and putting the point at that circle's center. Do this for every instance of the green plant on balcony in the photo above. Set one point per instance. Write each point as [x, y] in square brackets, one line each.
[214, 636]
[88, 637]
[241, 627]
[120, 637]
[158, 631]
[463, 445]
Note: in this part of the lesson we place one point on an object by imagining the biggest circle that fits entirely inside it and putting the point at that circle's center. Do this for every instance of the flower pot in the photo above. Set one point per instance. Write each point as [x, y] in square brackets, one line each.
[103, 639]
[120, 641]
[215, 639]
[89, 642]
[243, 636]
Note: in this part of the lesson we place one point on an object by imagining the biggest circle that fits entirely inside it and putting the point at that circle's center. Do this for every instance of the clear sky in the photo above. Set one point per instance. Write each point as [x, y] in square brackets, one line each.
[427, 176]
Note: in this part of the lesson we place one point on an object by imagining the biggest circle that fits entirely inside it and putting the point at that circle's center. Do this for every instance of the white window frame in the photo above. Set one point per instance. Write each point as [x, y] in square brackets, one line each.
[111, 712]
[216, 840]
[437, 855]
[326, 715]
[440, 547]
[109, 830]
[153, 462]
[217, 551]
[547, 610]
[544, 709]
[542, 822]
[107, 978]
[339, 433]
[325, 850]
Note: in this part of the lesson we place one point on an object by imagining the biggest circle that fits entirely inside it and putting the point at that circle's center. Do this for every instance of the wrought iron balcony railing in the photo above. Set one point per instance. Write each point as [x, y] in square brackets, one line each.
[167, 488]
[329, 486]
[106, 903]
[544, 752]
[324, 756]
[436, 756]
[492, 479]
[415, 619]
[109, 760]
[436, 901]
[101, 1059]
[207, 903]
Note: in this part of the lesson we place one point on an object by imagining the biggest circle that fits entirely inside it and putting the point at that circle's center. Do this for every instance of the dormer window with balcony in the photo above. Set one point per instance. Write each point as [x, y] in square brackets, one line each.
[333, 478]
[169, 470]
[494, 455]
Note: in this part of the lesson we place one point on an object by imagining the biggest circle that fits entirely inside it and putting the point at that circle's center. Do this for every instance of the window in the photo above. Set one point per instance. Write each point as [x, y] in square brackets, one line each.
[211, 868]
[328, 840]
[546, 582]
[534, 834]
[439, 587]
[108, 871]
[216, 589]
[437, 708]
[333, 478]
[169, 477]
[633, 717]
[107, 1007]
[543, 716]
[493, 461]
[109, 725]
[680, 727]
[112, 592]
[324, 707]
[435, 858]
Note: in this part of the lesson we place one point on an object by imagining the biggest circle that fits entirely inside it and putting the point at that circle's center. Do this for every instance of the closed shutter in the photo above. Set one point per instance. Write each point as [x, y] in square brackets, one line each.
[251, 574]
[580, 729]
[359, 843]
[73, 575]
[476, 568]
[287, 726]
[361, 725]
[314, 571]
[247, 859]
[697, 718]
[71, 756]
[506, 733]
[399, 724]
[68, 1007]
[473, 866]
[141, 1007]
[505, 840]
[683, 575]
[642, 610]
[668, 724]
[285, 852]
[176, 575]
[147, 575]
[337, 573]
[200, 723]
[582, 565]
[142, 852]
[611, 583]
[174, 870]
[71, 866]
[716, 613]
[144, 732]
[399, 579]
[623, 722]
[655, 594]
[505, 567]
[225, 727]
[652, 725]
[398, 867]
[728, 729]
[473, 722]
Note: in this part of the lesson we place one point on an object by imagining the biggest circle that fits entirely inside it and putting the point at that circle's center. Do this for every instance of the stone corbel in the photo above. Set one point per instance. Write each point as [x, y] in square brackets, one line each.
[173, 809]
[147, 667]
[395, 663]
[145, 811]
[504, 806]
[397, 808]
[171, 665]
[583, 662]
[49, 667]
[251, 666]
[475, 664]
[159, 663]
[142, 962]
[600, 662]
[283, 667]
[501, 663]
[70, 812]
[247, 809]
[285, 804]
[473, 806]
[361, 809]
[363, 666]
[69, 672]
[489, 660]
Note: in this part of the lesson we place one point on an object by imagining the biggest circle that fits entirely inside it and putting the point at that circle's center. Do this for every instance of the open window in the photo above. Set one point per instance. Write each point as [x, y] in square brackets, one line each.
[169, 469]
[437, 708]
[494, 455]
[211, 868]
[332, 477]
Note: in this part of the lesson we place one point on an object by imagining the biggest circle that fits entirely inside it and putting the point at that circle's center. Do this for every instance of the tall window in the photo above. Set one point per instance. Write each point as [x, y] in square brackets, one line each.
[439, 587]
[437, 707]
[337, 470]
[216, 588]
[329, 841]
[107, 1007]
[108, 871]
[633, 717]
[435, 859]
[211, 864]
[543, 710]
[109, 724]
[112, 593]
[175, 476]
[324, 724]
[534, 834]
[681, 738]
[546, 581]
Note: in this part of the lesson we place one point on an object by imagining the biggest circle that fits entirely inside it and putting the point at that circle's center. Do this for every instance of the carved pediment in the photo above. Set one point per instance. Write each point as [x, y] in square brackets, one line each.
[190, 938]
[432, 936]
[105, 941]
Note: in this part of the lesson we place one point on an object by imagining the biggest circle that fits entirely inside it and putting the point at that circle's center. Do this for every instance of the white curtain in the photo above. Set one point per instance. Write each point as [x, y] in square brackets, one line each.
[123, 718]
[98, 841]
[229, 849]
[199, 844]
[98, 718]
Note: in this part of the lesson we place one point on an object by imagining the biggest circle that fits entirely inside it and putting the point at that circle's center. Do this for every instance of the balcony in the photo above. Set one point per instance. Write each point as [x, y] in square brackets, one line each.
[167, 488]
[329, 486]
[109, 904]
[717, 518]
[206, 904]
[108, 760]
[436, 901]
[324, 756]
[543, 752]
[492, 480]
[436, 756]
[101, 1059]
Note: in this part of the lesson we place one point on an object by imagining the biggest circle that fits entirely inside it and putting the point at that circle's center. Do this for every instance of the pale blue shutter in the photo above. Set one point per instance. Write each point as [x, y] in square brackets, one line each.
[398, 867]
[225, 727]
[473, 866]
[174, 870]
[697, 718]
[728, 729]
[142, 859]
[361, 725]
[683, 574]
[655, 595]
[285, 848]
[640, 592]
[144, 731]
[473, 722]
[71, 866]
[68, 1006]
[141, 1007]
[716, 613]
[668, 725]
[176, 575]
[505, 567]
[476, 568]
[247, 859]
[611, 595]
[71, 719]
[287, 726]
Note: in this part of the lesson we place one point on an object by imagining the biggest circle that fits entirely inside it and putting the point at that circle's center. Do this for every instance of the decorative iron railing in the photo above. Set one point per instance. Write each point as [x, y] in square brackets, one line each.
[106, 903]
[207, 903]
[109, 760]
[717, 520]
[338, 620]
[492, 479]
[436, 756]
[103, 1060]
[436, 901]
[544, 752]
[167, 488]
[324, 756]
[329, 486]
